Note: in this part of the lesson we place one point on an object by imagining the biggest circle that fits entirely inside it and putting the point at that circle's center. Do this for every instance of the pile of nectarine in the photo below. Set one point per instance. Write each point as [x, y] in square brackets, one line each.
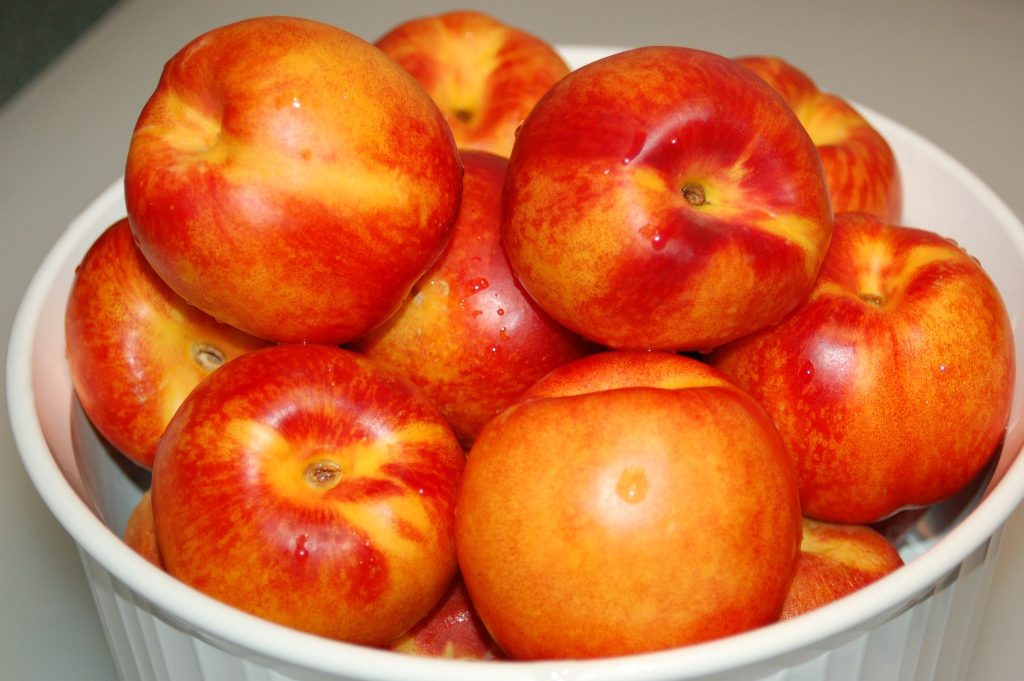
[439, 346]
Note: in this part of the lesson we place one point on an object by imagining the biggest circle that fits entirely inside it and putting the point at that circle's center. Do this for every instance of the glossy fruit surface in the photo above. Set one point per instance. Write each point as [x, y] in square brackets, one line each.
[469, 336]
[451, 630]
[836, 561]
[290, 179]
[134, 347]
[860, 167]
[627, 519]
[307, 485]
[665, 198]
[484, 74]
[891, 385]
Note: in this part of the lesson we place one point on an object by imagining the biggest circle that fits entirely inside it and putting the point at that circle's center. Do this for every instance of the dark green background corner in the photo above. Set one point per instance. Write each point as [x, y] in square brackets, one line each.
[34, 32]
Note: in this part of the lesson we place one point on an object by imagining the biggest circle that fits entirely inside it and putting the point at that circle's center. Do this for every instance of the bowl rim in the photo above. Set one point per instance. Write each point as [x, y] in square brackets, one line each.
[211, 620]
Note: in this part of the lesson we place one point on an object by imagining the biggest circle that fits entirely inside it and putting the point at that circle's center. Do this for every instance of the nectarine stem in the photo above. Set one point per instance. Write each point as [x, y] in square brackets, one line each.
[323, 474]
[873, 299]
[207, 356]
[694, 193]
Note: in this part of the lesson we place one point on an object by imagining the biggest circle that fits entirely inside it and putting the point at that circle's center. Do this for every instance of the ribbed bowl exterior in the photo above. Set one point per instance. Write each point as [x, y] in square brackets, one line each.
[929, 638]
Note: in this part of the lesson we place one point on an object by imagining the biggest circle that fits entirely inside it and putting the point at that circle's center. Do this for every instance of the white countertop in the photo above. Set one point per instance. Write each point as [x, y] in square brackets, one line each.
[953, 70]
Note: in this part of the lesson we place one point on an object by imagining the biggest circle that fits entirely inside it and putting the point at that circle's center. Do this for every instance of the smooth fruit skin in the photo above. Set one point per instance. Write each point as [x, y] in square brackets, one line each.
[484, 75]
[307, 485]
[140, 531]
[891, 385]
[469, 336]
[626, 520]
[452, 630]
[861, 170]
[290, 179]
[665, 198]
[626, 369]
[134, 347]
[835, 561]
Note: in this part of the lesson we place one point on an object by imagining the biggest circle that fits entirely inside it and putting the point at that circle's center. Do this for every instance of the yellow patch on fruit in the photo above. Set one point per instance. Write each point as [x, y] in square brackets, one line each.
[884, 269]
[340, 178]
[805, 233]
[462, 88]
[839, 547]
[584, 247]
[182, 126]
[723, 196]
[828, 119]
[288, 465]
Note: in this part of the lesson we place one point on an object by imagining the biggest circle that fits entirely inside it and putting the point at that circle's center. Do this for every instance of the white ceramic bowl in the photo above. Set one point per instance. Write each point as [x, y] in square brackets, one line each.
[918, 623]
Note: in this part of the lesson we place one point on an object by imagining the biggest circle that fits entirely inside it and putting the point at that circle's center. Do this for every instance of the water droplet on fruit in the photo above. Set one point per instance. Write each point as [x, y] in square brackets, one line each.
[500, 311]
[632, 485]
[296, 104]
[658, 241]
[518, 128]
[301, 552]
[493, 349]
[942, 368]
[477, 285]
[807, 372]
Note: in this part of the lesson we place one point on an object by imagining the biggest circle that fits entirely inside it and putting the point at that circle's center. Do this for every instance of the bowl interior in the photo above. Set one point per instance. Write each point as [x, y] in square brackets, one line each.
[92, 489]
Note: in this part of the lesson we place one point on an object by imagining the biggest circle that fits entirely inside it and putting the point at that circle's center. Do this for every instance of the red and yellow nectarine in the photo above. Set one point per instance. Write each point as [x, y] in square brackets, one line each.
[290, 179]
[891, 385]
[665, 198]
[484, 75]
[835, 561]
[860, 167]
[469, 336]
[307, 485]
[134, 347]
